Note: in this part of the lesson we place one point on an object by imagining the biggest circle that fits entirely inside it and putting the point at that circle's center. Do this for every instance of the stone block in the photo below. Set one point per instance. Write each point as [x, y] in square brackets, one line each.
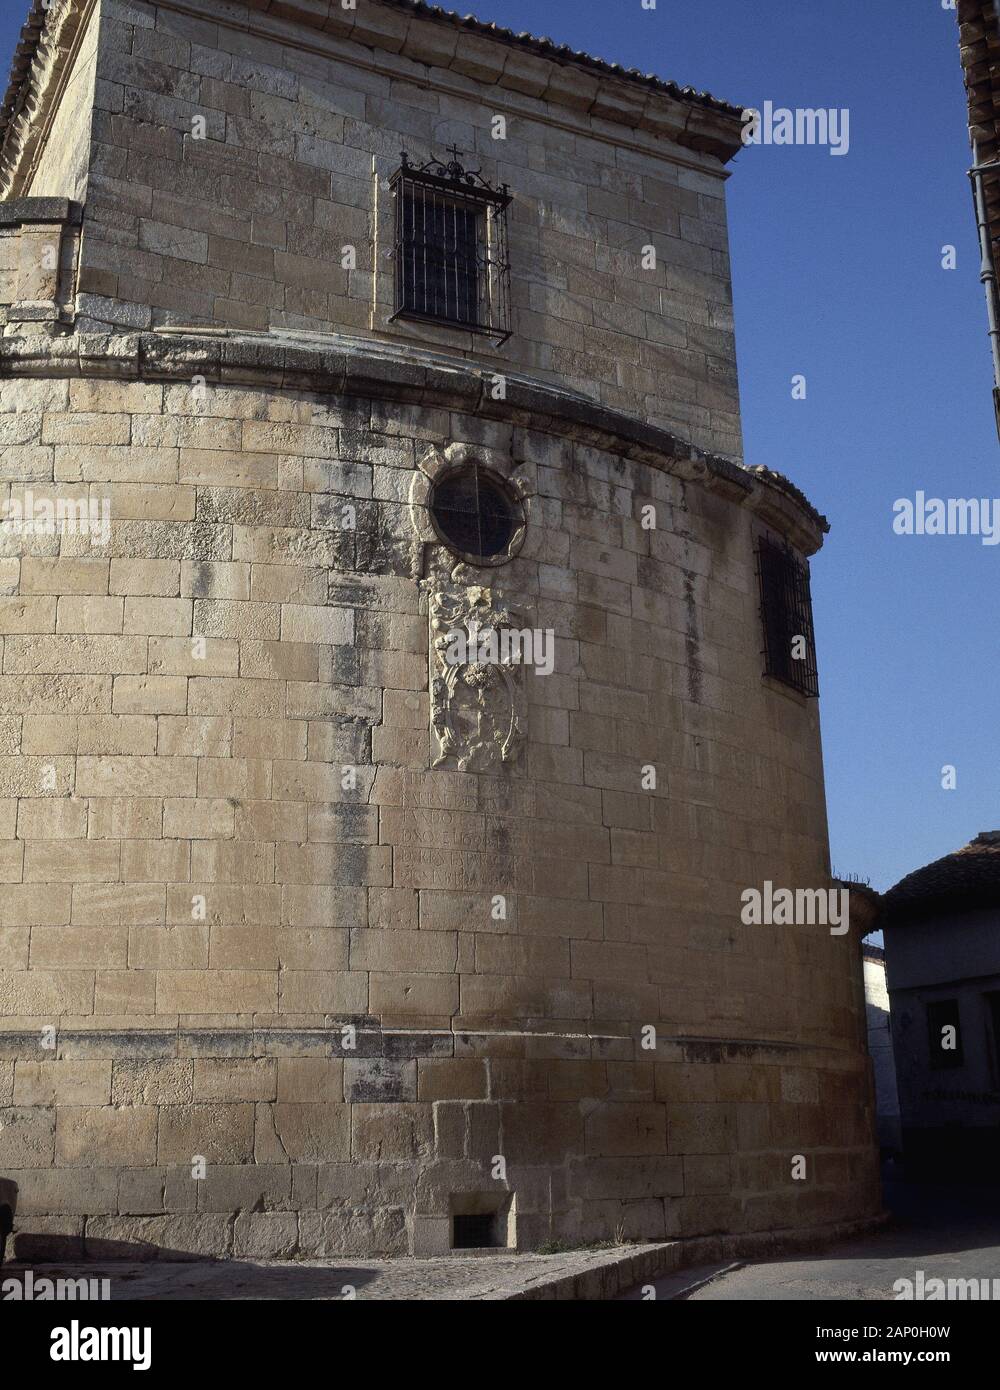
[87, 1136]
[265, 1235]
[219, 1133]
[375, 1080]
[308, 1131]
[26, 1136]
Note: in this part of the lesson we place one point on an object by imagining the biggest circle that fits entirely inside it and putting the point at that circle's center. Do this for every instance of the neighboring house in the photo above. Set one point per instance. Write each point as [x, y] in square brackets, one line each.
[880, 1047]
[942, 947]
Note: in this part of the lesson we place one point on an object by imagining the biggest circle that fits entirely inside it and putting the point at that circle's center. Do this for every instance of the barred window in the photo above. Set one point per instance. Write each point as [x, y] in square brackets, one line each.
[786, 616]
[450, 247]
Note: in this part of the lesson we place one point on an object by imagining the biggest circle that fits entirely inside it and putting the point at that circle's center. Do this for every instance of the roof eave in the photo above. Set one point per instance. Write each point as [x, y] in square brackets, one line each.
[693, 119]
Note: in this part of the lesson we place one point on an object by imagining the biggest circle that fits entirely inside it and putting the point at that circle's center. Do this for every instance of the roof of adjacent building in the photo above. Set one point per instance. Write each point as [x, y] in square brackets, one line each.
[27, 47]
[964, 881]
[979, 41]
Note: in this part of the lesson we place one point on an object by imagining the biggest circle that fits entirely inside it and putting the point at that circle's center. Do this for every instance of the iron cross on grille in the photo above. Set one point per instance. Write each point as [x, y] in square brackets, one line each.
[455, 168]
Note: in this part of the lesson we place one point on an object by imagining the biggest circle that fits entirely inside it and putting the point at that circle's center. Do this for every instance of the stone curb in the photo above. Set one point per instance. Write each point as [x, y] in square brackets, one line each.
[615, 1275]
[623, 1271]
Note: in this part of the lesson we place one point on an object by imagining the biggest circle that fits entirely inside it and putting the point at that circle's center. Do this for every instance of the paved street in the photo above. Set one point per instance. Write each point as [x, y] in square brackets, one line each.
[946, 1232]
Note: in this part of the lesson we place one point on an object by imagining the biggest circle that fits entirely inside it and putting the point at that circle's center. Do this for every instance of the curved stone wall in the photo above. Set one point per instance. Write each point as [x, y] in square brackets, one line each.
[298, 954]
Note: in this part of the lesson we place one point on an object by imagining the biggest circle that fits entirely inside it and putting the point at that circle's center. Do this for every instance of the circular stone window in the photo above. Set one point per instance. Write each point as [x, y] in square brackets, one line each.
[476, 514]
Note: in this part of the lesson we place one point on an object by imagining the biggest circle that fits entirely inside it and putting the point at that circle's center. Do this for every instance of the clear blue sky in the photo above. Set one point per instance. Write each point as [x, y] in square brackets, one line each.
[837, 273]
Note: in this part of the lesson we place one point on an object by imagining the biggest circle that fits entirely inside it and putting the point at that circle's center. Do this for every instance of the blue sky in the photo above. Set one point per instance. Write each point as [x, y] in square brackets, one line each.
[838, 277]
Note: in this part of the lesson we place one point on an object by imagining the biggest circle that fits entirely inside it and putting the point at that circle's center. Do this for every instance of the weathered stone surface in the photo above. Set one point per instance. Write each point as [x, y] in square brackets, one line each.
[88, 1136]
[151, 1083]
[158, 1237]
[217, 1133]
[26, 1136]
[354, 1231]
[273, 894]
[373, 1079]
[265, 1235]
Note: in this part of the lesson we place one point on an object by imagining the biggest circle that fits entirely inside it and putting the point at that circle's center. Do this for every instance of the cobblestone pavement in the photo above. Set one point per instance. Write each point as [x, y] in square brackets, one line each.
[472, 1277]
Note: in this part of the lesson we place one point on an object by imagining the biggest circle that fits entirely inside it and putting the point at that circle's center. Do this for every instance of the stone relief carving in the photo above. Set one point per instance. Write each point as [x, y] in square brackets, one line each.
[477, 705]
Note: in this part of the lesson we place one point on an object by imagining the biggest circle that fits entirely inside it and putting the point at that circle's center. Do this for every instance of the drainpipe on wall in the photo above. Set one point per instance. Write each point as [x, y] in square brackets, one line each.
[987, 274]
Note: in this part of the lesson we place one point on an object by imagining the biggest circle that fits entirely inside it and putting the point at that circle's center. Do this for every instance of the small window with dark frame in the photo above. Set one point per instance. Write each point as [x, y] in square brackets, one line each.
[786, 616]
[944, 1034]
[450, 248]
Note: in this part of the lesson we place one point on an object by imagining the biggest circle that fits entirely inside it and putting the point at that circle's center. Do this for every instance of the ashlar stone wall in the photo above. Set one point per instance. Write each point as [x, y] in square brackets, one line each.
[235, 154]
[297, 956]
[244, 921]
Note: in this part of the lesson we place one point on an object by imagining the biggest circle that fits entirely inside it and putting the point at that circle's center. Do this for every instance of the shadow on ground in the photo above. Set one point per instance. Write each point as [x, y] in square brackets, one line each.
[133, 1273]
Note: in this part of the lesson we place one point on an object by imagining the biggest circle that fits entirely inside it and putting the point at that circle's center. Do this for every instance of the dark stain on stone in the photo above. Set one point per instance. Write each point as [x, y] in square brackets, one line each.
[201, 581]
[692, 639]
[381, 548]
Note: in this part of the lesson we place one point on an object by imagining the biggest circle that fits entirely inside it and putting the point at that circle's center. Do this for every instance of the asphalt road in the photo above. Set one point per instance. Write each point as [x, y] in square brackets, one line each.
[946, 1232]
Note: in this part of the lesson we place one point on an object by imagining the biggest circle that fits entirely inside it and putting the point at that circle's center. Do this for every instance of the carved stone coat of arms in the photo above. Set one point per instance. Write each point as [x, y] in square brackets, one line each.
[476, 679]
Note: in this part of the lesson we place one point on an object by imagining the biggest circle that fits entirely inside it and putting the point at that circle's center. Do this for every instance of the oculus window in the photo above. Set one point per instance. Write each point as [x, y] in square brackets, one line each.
[476, 514]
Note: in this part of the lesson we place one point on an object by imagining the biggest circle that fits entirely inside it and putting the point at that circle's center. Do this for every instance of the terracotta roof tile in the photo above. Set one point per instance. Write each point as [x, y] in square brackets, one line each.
[547, 49]
[963, 881]
[979, 41]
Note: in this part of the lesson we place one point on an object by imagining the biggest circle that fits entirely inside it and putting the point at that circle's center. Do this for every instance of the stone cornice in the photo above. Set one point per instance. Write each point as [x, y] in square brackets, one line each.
[408, 36]
[42, 61]
[536, 67]
[149, 1040]
[337, 364]
[524, 76]
[417, 36]
[26, 212]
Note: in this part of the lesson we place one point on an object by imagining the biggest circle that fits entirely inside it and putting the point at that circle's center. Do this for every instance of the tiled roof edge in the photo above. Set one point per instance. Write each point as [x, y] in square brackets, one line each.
[547, 48]
[979, 43]
[28, 44]
[24, 55]
[968, 879]
[46, 44]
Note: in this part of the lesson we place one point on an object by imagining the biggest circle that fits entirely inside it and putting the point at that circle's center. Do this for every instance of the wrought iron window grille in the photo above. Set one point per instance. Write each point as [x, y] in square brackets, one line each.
[786, 617]
[450, 249]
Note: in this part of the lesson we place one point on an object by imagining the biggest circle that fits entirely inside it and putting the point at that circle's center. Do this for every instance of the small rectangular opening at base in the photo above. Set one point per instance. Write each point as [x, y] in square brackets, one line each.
[482, 1221]
[476, 1232]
